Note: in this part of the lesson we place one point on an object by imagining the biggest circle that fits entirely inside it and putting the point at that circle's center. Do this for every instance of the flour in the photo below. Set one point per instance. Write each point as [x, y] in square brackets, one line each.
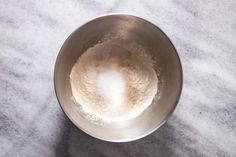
[112, 83]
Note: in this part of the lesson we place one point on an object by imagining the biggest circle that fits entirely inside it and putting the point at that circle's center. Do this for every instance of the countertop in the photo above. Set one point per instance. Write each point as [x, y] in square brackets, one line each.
[33, 124]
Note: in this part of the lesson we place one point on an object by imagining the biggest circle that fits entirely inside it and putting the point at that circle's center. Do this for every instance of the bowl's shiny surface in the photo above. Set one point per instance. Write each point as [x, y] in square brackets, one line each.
[134, 29]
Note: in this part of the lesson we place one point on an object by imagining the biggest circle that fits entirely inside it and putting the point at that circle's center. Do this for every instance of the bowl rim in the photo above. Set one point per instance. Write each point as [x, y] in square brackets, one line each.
[126, 139]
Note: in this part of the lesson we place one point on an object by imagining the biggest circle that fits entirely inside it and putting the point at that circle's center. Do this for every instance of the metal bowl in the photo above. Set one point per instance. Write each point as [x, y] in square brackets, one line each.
[162, 51]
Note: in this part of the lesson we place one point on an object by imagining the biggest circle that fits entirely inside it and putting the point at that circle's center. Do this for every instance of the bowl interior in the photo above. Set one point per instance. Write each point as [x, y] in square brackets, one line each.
[130, 29]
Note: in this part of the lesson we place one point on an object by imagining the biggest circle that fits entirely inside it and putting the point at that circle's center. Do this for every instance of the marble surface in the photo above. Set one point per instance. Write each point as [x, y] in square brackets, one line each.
[33, 124]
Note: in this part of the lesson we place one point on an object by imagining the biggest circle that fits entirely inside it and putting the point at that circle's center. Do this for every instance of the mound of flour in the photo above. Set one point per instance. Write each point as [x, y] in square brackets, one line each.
[112, 83]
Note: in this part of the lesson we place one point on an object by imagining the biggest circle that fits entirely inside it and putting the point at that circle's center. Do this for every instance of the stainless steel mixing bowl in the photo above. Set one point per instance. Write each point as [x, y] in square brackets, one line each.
[133, 29]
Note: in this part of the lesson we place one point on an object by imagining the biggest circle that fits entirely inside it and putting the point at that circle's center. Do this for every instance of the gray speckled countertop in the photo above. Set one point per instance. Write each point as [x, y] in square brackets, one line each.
[31, 121]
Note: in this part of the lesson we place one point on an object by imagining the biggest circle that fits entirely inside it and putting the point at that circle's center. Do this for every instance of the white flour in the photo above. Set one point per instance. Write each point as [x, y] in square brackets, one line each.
[111, 82]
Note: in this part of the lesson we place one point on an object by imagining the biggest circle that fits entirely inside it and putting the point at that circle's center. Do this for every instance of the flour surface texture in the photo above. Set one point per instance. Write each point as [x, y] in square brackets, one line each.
[112, 83]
